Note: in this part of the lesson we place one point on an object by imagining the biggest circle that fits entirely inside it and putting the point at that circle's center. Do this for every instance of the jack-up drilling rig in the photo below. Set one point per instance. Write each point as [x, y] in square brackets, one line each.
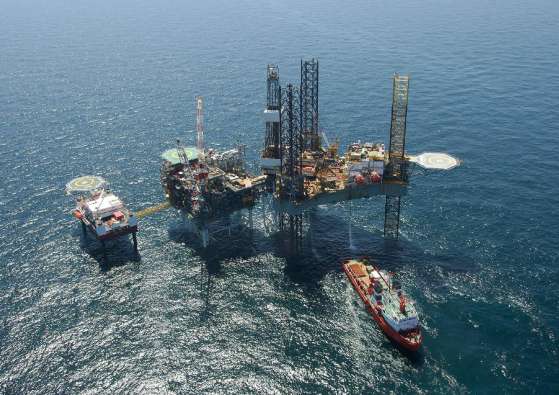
[301, 173]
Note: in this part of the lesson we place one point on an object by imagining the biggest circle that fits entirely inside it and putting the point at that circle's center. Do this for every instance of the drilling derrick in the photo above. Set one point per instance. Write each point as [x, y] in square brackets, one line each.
[200, 124]
[291, 145]
[309, 104]
[397, 166]
[271, 156]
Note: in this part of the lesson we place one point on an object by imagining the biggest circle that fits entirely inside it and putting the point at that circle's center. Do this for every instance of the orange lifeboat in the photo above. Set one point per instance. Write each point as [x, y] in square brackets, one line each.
[375, 177]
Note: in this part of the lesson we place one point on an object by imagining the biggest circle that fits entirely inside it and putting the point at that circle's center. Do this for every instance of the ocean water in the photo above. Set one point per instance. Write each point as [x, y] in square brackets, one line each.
[104, 88]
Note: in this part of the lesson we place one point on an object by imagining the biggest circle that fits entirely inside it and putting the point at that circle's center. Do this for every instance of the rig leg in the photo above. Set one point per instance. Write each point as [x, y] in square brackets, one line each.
[135, 240]
[104, 247]
[392, 217]
[350, 234]
[250, 222]
[205, 236]
[310, 230]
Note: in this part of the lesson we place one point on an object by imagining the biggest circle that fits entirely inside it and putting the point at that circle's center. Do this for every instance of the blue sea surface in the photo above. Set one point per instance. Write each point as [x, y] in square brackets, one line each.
[105, 87]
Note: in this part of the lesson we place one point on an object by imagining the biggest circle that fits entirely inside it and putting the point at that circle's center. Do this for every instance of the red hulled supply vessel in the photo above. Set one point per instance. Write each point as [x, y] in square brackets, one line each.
[384, 300]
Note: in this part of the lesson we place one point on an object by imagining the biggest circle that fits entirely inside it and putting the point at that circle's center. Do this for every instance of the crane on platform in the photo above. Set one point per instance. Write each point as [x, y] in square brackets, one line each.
[200, 125]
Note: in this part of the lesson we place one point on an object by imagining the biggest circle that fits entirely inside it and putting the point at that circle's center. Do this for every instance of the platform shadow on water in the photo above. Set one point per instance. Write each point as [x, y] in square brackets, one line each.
[326, 243]
[241, 242]
[321, 251]
[116, 253]
[322, 248]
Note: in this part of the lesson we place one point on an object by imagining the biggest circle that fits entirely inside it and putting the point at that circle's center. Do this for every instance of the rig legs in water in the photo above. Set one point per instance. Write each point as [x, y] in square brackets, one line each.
[205, 236]
[105, 259]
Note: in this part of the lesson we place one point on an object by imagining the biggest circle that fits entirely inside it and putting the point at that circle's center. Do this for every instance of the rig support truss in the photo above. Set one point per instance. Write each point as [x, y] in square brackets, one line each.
[292, 227]
[291, 144]
[309, 104]
[397, 166]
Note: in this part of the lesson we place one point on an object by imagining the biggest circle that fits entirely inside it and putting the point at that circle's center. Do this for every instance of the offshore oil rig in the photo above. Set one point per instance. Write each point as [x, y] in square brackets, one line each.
[100, 211]
[300, 169]
[303, 173]
[206, 185]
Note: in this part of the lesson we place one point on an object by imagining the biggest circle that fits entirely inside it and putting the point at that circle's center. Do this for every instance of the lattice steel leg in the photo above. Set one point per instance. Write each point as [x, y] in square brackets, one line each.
[392, 217]
[205, 235]
[104, 247]
[350, 233]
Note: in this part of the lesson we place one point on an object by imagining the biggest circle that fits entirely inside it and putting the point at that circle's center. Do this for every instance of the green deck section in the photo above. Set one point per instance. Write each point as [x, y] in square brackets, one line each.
[172, 155]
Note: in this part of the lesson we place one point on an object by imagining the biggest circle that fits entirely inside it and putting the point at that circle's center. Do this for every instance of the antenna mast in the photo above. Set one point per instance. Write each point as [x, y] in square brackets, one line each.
[200, 124]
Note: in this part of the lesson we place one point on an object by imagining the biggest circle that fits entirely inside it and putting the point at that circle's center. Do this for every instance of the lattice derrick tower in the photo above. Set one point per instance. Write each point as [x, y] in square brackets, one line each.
[292, 144]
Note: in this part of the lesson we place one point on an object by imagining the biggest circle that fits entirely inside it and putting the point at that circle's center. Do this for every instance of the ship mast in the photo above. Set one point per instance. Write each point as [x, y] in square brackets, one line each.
[200, 125]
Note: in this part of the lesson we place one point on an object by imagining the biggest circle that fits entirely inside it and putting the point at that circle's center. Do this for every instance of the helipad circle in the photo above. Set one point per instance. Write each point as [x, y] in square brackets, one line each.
[85, 184]
[172, 155]
[437, 160]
